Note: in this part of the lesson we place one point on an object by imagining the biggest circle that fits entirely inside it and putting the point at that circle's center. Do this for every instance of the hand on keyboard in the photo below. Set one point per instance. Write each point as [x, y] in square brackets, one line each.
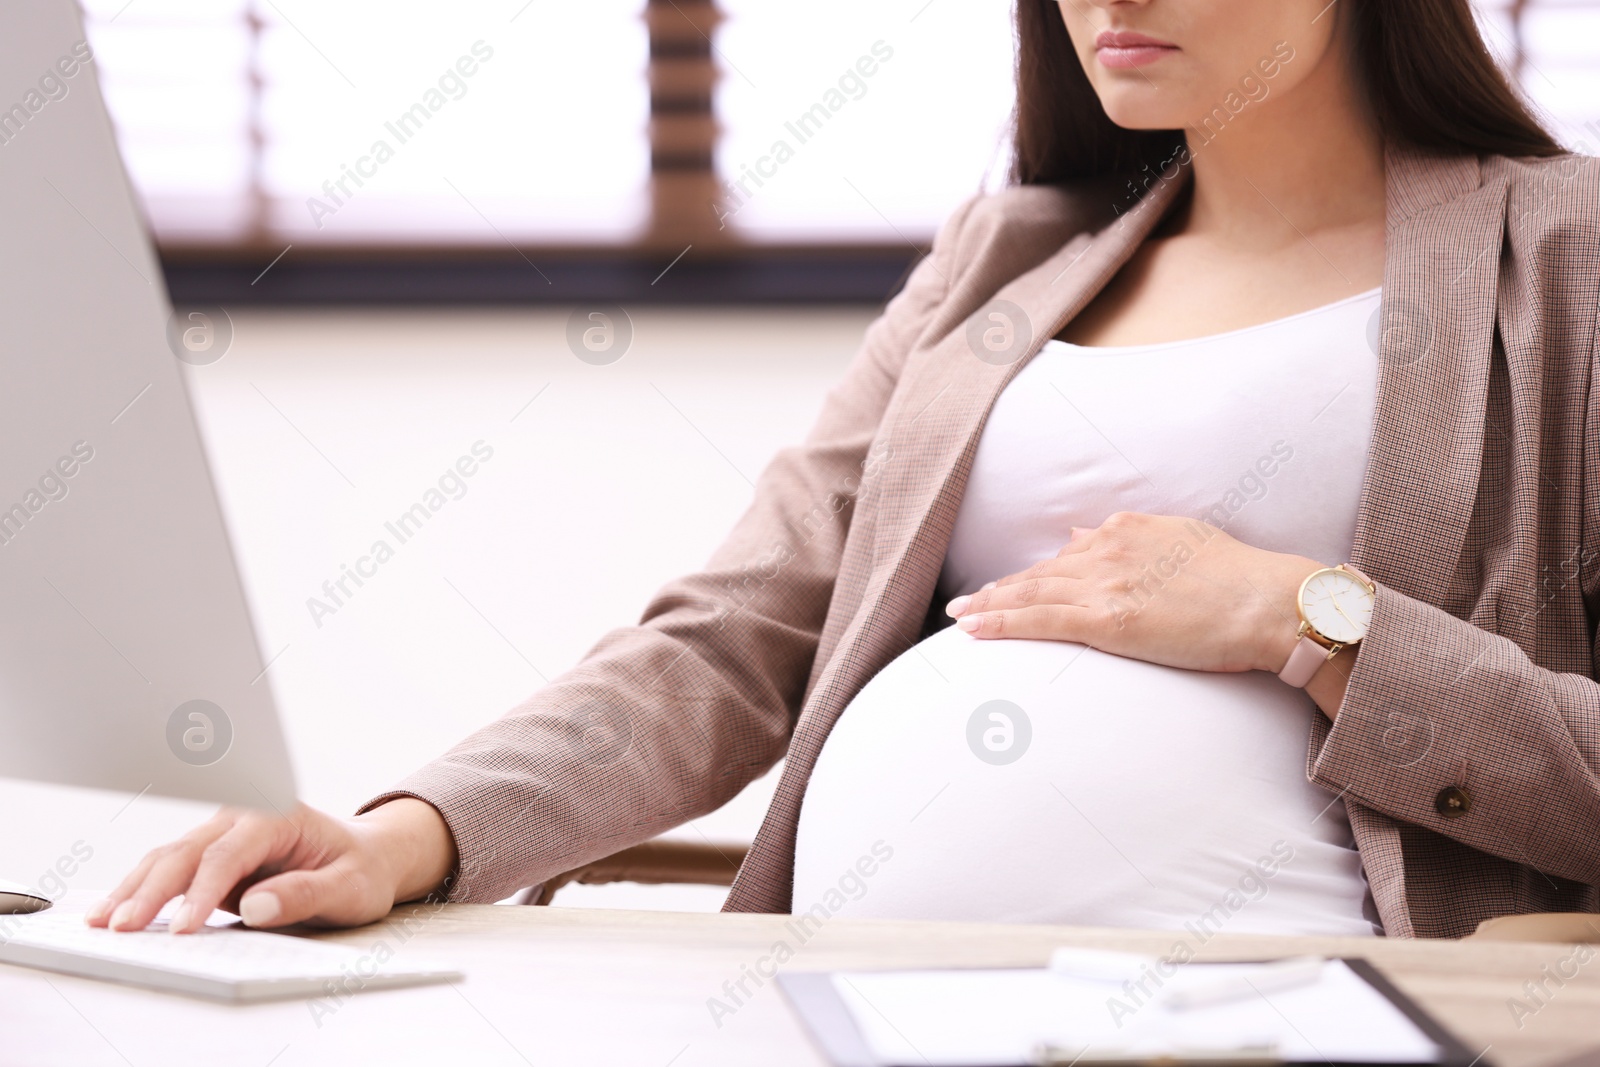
[273, 871]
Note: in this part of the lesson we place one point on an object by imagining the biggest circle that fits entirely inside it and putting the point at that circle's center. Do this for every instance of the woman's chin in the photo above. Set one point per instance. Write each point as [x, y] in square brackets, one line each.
[1141, 114]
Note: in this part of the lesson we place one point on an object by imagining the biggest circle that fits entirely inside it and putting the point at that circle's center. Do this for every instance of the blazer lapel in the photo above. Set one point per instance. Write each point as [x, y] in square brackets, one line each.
[1437, 321]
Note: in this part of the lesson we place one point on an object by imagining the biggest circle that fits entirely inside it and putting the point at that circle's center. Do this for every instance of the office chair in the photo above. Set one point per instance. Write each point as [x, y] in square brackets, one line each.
[656, 862]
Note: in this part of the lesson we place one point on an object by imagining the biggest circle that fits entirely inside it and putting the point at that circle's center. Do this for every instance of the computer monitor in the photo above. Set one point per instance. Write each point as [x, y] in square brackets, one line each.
[128, 658]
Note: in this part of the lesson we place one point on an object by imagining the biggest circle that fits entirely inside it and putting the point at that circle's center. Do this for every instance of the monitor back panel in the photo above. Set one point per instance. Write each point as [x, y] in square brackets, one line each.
[128, 659]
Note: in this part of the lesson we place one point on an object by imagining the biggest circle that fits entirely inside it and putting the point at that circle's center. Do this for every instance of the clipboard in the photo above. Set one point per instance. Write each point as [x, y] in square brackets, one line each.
[832, 1023]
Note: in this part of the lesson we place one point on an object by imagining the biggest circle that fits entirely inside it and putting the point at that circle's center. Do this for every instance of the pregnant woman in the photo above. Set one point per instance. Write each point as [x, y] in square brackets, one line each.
[1203, 538]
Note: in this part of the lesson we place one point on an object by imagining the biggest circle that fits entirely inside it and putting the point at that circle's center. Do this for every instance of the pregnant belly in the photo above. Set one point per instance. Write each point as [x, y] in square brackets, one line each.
[1041, 781]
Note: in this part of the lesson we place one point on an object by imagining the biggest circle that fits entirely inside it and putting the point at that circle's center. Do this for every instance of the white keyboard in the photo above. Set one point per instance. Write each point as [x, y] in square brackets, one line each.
[221, 963]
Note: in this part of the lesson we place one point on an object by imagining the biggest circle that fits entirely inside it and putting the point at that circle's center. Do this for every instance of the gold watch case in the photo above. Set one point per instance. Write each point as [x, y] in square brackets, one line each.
[1320, 586]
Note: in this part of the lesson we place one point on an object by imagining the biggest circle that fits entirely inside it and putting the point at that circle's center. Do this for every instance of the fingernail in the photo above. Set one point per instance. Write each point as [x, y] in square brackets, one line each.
[99, 911]
[970, 623]
[258, 909]
[181, 919]
[991, 585]
[123, 916]
[957, 606]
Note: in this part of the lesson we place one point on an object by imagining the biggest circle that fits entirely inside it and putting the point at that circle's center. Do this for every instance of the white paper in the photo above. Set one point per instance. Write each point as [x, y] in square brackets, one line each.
[963, 1017]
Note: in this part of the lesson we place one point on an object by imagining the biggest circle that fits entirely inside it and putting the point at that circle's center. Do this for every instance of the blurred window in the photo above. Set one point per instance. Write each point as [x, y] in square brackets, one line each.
[815, 148]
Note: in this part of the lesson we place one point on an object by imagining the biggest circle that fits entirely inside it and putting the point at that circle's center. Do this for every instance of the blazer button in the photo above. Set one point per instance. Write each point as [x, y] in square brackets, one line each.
[1452, 802]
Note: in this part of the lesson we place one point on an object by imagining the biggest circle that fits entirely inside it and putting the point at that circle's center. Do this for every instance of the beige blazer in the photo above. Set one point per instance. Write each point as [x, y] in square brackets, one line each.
[1479, 520]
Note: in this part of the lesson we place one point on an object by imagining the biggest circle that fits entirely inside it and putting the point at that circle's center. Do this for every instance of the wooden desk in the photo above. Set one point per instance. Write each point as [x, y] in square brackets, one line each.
[557, 986]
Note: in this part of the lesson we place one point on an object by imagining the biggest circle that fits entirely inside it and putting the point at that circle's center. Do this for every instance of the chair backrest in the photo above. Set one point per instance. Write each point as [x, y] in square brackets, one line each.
[659, 861]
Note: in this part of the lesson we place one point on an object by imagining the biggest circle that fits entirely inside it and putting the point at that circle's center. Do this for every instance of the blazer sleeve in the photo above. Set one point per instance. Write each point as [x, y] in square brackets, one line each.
[1435, 702]
[668, 719]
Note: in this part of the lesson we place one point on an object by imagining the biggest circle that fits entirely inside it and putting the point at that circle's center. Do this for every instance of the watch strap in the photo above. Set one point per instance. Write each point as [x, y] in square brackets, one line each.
[1303, 662]
[1351, 567]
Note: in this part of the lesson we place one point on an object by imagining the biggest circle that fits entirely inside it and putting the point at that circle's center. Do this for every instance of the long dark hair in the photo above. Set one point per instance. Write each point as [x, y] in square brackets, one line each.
[1427, 74]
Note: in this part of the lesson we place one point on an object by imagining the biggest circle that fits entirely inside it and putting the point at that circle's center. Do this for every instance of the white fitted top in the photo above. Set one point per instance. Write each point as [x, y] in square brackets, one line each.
[1105, 790]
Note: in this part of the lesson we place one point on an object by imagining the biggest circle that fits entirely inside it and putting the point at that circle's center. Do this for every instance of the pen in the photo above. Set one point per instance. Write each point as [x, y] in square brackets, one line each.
[1049, 1055]
[1269, 977]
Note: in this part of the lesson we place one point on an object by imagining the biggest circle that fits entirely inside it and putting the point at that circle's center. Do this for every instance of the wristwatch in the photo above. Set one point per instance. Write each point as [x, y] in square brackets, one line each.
[1335, 609]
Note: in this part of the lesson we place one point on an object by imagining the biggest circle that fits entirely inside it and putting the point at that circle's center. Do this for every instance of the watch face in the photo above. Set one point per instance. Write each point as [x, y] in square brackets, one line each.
[1337, 604]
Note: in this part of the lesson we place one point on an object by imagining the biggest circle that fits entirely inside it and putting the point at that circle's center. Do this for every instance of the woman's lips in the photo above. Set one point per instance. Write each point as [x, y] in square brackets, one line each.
[1121, 49]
